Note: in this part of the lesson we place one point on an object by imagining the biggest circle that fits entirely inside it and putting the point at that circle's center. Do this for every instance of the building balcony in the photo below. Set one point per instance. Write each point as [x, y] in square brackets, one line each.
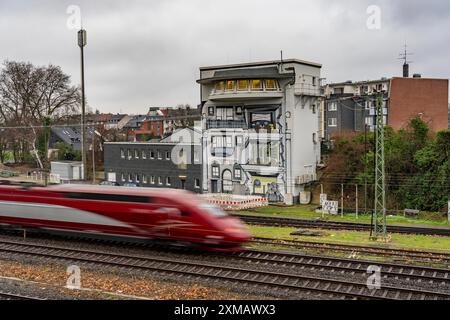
[226, 124]
[268, 170]
[303, 89]
[243, 95]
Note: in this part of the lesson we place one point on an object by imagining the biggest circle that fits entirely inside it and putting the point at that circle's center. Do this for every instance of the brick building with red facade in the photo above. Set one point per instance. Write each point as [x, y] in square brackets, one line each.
[412, 97]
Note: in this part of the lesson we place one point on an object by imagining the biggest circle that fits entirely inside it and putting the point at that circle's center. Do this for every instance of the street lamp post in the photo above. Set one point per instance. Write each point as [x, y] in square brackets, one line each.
[82, 43]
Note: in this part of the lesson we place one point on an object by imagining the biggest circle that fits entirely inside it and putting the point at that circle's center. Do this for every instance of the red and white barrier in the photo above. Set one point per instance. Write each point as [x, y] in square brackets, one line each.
[236, 202]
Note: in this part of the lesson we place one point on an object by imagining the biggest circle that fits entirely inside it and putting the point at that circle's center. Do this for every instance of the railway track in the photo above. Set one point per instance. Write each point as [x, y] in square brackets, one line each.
[280, 282]
[350, 266]
[337, 225]
[404, 254]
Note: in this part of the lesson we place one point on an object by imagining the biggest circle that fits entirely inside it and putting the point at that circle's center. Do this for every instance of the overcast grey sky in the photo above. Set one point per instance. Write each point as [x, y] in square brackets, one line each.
[147, 53]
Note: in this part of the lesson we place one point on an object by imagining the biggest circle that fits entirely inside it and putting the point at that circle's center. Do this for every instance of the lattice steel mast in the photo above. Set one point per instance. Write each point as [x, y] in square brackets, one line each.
[379, 214]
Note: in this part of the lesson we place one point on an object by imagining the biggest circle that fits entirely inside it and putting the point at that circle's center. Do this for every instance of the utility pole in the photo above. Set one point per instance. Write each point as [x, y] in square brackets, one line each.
[357, 204]
[342, 200]
[93, 156]
[365, 169]
[82, 43]
[378, 231]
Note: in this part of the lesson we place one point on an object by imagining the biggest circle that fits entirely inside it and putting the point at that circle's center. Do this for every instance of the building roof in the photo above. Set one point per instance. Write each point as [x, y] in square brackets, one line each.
[248, 73]
[261, 63]
[136, 121]
[72, 135]
[116, 118]
[192, 134]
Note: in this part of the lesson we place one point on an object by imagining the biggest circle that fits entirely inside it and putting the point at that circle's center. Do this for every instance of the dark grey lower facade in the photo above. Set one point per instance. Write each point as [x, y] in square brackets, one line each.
[349, 113]
[154, 165]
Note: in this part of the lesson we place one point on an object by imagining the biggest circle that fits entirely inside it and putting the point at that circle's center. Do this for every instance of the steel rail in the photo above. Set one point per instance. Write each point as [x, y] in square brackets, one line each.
[282, 282]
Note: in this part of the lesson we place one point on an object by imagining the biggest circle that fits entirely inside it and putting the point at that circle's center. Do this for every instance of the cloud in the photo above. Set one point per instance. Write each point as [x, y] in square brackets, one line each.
[147, 53]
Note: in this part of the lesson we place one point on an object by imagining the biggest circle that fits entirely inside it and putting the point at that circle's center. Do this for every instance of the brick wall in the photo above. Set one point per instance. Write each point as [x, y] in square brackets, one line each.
[410, 97]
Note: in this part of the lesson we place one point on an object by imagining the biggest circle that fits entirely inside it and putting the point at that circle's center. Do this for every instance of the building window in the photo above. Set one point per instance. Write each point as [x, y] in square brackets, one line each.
[230, 85]
[144, 154]
[129, 154]
[122, 153]
[136, 154]
[239, 140]
[152, 179]
[216, 171]
[159, 155]
[314, 81]
[314, 138]
[332, 122]
[152, 154]
[122, 176]
[256, 85]
[144, 179]
[338, 90]
[237, 173]
[130, 178]
[242, 85]
[313, 108]
[137, 178]
[220, 86]
[197, 183]
[196, 156]
[211, 111]
[270, 84]
[168, 154]
[168, 181]
[239, 111]
[332, 106]
[160, 181]
[222, 142]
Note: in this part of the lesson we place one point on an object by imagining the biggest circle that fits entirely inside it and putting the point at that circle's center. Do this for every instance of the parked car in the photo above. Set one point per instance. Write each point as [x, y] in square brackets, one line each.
[131, 185]
[109, 183]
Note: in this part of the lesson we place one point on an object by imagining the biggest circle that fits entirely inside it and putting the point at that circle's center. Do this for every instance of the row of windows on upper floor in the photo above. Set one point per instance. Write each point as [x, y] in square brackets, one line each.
[257, 85]
[152, 154]
[153, 180]
[333, 106]
[370, 121]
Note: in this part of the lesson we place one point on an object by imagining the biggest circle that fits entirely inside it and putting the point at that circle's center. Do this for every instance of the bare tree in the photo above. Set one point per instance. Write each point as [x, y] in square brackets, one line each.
[32, 98]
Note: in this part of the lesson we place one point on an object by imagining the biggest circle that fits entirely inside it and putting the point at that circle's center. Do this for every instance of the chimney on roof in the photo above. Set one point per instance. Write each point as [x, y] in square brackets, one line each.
[404, 57]
[406, 70]
[417, 75]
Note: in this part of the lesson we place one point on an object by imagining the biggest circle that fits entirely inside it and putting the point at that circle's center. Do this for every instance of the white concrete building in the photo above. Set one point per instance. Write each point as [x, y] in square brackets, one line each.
[260, 128]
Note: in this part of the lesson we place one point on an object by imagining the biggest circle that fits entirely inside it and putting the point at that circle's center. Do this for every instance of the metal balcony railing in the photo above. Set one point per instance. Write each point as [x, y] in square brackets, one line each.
[308, 90]
[222, 124]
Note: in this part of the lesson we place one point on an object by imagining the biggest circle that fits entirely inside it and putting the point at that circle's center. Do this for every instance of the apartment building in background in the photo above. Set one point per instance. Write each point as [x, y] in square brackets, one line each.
[349, 106]
[174, 162]
[260, 128]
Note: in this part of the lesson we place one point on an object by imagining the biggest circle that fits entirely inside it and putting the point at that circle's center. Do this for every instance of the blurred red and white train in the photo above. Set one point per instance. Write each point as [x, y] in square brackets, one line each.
[140, 213]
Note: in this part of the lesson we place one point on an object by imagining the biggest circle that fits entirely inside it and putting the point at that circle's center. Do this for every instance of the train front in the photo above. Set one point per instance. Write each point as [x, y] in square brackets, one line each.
[231, 233]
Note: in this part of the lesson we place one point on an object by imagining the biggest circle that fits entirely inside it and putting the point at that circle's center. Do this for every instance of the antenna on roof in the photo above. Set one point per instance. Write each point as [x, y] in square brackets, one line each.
[404, 56]
[281, 61]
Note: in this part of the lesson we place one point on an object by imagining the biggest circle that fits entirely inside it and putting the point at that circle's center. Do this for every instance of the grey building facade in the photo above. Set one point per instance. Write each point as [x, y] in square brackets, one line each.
[155, 165]
[351, 106]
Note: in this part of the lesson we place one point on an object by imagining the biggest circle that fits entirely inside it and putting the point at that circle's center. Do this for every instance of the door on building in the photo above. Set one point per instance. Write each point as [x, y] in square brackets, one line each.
[214, 186]
[227, 182]
[183, 184]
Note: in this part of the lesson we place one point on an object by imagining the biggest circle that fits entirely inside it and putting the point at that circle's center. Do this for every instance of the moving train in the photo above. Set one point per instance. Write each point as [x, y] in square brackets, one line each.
[176, 216]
